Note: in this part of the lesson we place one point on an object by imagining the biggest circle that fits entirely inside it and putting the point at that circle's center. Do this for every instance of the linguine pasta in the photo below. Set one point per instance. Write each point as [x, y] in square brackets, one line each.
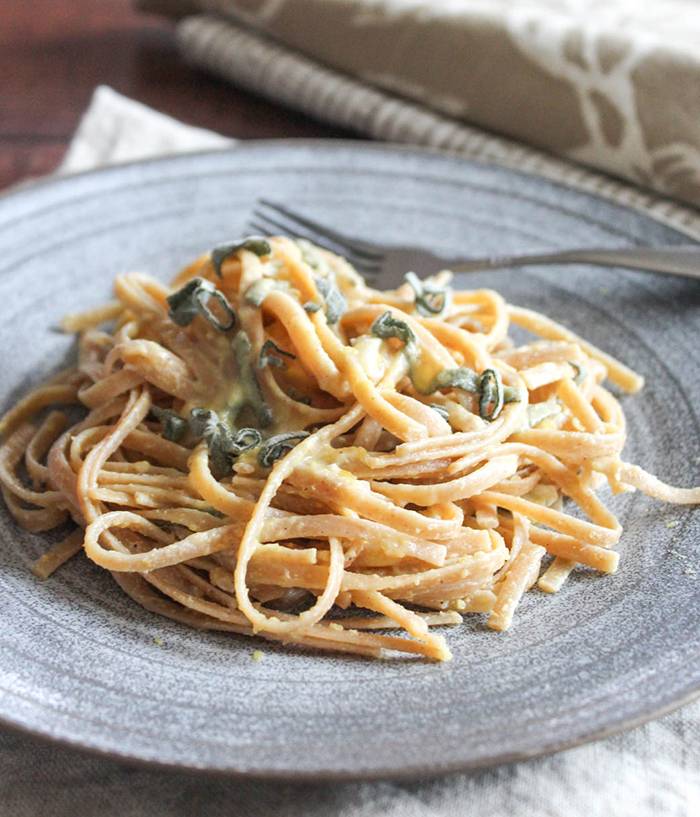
[271, 447]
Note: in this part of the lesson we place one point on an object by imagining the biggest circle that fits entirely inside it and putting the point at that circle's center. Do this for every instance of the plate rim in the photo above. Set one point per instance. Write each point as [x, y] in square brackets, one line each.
[424, 771]
[374, 773]
[665, 218]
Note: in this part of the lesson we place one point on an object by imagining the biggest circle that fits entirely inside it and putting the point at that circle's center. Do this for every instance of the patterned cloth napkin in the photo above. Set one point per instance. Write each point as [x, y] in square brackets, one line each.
[612, 84]
[651, 771]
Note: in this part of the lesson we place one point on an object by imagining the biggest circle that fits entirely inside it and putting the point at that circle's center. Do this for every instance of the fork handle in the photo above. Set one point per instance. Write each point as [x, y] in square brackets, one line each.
[683, 259]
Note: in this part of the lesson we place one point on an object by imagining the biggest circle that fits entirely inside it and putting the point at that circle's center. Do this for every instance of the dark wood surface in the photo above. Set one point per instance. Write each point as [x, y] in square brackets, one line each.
[53, 53]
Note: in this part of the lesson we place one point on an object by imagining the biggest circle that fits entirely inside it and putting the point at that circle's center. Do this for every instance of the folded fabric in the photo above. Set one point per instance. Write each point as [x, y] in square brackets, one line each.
[117, 129]
[612, 84]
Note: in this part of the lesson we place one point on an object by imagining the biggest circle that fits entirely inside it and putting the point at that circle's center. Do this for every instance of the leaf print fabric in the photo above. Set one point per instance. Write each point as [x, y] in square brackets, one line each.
[612, 84]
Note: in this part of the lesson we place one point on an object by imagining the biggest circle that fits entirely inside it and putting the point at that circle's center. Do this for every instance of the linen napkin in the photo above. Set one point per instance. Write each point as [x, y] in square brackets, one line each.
[116, 129]
[612, 84]
[651, 771]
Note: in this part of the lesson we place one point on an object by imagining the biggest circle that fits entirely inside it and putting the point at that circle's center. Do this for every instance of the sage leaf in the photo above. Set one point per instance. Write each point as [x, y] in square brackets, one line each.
[279, 446]
[253, 243]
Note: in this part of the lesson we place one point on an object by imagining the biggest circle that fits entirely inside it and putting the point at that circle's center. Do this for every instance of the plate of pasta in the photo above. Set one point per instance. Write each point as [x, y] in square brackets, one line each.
[263, 518]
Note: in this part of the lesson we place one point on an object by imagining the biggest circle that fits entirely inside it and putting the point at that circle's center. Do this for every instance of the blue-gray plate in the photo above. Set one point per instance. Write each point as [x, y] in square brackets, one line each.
[78, 659]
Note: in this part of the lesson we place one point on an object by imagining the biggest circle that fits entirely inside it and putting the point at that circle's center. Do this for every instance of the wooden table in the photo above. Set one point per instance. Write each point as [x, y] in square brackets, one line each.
[54, 52]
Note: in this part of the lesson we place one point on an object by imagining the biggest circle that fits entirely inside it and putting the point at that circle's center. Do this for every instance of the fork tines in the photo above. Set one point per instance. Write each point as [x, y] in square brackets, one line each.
[275, 219]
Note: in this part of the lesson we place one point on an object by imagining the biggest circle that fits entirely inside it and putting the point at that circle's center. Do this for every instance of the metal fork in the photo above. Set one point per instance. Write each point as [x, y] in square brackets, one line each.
[385, 266]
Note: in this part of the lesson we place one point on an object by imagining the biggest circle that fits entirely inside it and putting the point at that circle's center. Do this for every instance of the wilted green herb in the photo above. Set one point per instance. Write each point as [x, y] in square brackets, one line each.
[192, 300]
[247, 439]
[460, 378]
[310, 254]
[253, 243]
[259, 290]
[203, 422]
[172, 425]
[538, 412]
[387, 326]
[431, 299]
[490, 394]
[252, 393]
[336, 305]
[278, 446]
[223, 446]
[441, 410]
[270, 356]
[220, 442]
[488, 386]
[310, 306]
[581, 372]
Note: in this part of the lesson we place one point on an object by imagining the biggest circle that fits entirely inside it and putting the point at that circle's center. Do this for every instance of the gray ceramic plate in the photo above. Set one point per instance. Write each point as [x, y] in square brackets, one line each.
[78, 661]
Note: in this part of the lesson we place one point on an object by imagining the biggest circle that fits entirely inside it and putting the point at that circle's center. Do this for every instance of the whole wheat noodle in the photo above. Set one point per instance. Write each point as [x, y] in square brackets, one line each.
[406, 490]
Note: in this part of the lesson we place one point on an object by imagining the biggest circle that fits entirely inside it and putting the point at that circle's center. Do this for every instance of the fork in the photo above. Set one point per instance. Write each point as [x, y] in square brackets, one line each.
[385, 266]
